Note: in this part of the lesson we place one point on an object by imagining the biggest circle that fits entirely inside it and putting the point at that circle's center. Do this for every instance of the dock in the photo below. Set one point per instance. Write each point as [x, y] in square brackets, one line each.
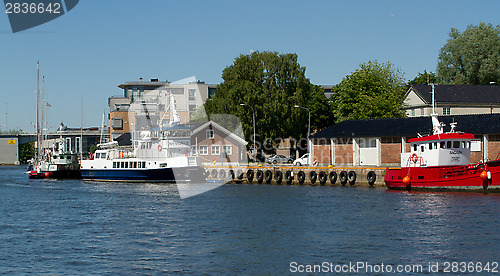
[293, 175]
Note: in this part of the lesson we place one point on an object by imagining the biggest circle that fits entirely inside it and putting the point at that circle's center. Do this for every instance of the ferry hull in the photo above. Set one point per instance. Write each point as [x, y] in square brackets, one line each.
[166, 175]
[446, 178]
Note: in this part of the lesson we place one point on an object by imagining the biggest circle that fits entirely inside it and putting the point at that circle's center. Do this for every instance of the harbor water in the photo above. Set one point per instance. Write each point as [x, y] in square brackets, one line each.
[76, 227]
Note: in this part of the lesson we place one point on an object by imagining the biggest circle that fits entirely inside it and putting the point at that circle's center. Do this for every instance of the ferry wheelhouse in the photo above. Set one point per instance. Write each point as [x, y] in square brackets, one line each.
[441, 161]
[155, 156]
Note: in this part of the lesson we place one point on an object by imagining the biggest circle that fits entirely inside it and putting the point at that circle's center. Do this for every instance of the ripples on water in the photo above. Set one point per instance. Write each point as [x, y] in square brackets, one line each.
[76, 227]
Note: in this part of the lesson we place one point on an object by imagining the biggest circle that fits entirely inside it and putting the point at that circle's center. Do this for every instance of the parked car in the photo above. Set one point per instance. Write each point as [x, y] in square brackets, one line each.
[304, 160]
[278, 158]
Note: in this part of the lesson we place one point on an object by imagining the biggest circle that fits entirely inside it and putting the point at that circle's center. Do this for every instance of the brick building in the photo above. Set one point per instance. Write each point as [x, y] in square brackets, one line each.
[379, 142]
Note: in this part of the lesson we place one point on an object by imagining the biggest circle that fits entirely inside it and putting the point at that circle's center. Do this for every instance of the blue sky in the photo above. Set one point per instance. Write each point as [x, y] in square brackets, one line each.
[99, 44]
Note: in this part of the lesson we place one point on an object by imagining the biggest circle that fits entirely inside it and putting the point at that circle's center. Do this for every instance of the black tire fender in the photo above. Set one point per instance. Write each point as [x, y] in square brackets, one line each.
[313, 176]
[301, 177]
[351, 177]
[322, 177]
[260, 176]
[343, 178]
[250, 175]
[278, 176]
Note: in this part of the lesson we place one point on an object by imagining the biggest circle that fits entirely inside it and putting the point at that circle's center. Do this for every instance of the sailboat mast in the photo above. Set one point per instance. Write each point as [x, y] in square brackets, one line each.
[37, 110]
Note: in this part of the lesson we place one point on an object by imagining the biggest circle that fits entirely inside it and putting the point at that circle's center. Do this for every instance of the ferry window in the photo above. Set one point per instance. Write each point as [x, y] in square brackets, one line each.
[415, 147]
[448, 145]
[114, 165]
[135, 165]
[443, 145]
[126, 164]
[422, 148]
[464, 145]
[456, 144]
[68, 157]
[144, 164]
[103, 155]
[122, 165]
[468, 145]
[97, 155]
[436, 145]
[430, 146]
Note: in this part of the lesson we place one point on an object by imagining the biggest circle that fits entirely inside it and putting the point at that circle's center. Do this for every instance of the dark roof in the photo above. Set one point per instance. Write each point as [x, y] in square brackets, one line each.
[124, 140]
[475, 124]
[479, 94]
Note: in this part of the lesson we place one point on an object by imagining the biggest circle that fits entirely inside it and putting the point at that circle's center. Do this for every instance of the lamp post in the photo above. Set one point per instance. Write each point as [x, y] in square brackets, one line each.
[308, 130]
[254, 143]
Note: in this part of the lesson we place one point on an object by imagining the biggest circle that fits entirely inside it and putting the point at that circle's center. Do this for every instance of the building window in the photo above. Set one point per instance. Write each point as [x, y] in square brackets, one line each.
[215, 150]
[192, 94]
[192, 108]
[117, 123]
[210, 134]
[227, 149]
[413, 112]
[446, 111]
[203, 150]
[422, 112]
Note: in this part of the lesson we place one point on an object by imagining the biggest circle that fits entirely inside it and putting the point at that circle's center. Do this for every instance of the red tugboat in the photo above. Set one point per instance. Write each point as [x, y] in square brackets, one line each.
[441, 162]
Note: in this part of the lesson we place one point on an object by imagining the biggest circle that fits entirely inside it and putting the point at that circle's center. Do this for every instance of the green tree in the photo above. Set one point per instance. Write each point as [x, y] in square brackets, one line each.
[471, 57]
[372, 91]
[272, 84]
[424, 78]
[26, 152]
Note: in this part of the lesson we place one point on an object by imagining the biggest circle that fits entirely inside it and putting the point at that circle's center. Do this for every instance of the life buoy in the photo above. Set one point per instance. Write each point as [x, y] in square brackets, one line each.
[268, 176]
[278, 176]
[260, 176]
[288, 177]
[414, 158]
[343, 178]
[250, 175]
[301, 177]
[351, 177]
[313, 176]
[315, 162]
[371, 177]
[333, 177]
[322, 177]
[159, 147]
[186, 153]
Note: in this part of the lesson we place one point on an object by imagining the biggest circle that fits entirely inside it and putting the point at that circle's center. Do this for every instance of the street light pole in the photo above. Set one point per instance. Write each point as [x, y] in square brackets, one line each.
[254, 143]
[308, 130]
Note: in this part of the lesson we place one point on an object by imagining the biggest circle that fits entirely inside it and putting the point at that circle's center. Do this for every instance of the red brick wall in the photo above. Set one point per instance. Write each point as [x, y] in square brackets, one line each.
[343, 154]
[493, 149]
[322, 154]
[391, 153]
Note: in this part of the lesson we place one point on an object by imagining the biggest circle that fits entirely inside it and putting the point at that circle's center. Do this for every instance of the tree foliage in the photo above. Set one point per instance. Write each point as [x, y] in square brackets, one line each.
[372, 91]
[424, 78]
[272, 84]
[471, 57]
[26, 152]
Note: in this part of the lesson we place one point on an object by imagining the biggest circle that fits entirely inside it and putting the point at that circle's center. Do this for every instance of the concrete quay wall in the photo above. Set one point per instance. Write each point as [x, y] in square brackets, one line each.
[339, 176]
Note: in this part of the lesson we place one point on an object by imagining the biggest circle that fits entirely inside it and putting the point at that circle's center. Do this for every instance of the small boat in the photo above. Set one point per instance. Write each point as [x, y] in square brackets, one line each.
[441, 161]
[55, 163]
